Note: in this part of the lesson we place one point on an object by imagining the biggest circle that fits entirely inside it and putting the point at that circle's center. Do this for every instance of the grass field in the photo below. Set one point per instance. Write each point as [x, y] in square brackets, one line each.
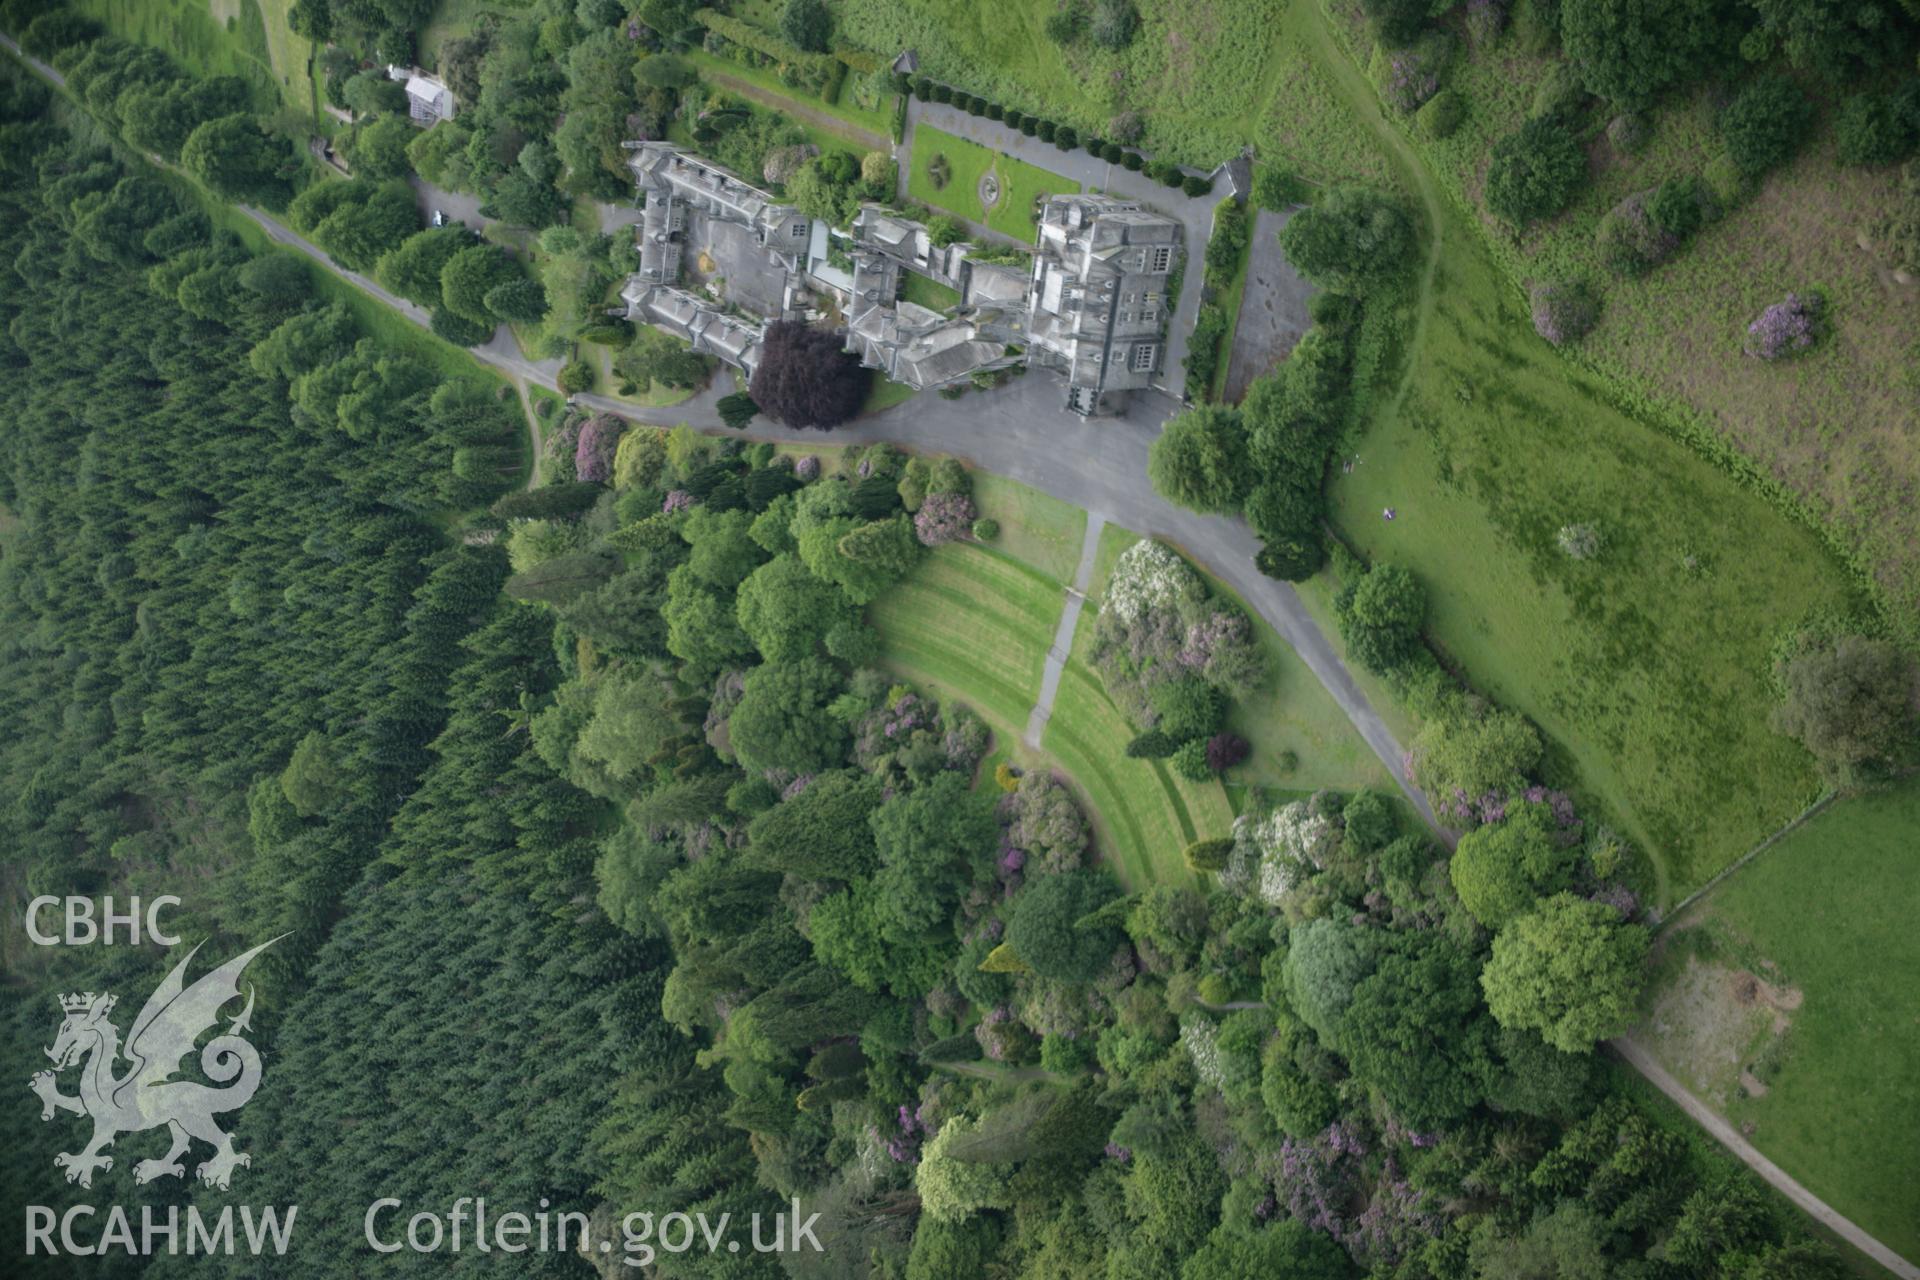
[978, 622]
[884, 393]
[657, 395]
[1646, 665]
[1150, 815]
[1831, 908]
[852, 119]
[928, 292]
[1837, 427]
[1207, 76]
[1293, 712]
[456, 18]
[245, 38]
[968, 162]
[1039, 531]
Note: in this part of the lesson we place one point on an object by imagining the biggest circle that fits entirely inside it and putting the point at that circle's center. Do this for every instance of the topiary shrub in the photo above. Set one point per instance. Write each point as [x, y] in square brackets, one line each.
[995, 111]
[821, 1096]
[1197, 185]
[1111, 152]
[1046, 928]
[986, 529]
[1209, 855]
[1134, 161]
[1063, 1055]
[737, 409]
[1678, 206]
[1047, 130]
[837, 1061]
[1066, 137]
[1407, 78]
[1629, 240]
[1564, 311]
[1151, 745]
[1029, 126]
[1786, 328]
[961, 1048]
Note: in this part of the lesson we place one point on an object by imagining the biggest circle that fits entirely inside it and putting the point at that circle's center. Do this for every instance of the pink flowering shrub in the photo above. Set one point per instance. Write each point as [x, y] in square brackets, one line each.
[677, 500]
[1630, 241]
[593, 451]
[1043, 819]
[1563, 312]
[910, 1127]
[807, 468]
[1485, 19]
[943, 518]
[1786, 328]
[1397, 1221]
[561, 448]
[1001, 1037]
[1411, 80]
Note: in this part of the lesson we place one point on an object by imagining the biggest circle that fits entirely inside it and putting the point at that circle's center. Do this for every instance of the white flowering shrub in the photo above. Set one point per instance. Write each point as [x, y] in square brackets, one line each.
[1149, 575]
[1244, 862]
[1275, 854]
[1201, 1040]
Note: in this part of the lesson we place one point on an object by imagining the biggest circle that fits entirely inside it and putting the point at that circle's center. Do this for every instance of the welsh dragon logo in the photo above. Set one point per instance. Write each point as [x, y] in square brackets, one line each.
[147, 1096]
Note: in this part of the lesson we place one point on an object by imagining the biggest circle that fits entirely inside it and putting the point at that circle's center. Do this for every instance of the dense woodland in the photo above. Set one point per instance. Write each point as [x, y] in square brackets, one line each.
[618, 872]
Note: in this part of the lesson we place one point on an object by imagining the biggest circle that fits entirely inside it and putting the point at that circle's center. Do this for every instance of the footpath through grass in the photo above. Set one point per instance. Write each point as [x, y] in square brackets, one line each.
[973, 623]
[1832, 906]
[978, 622]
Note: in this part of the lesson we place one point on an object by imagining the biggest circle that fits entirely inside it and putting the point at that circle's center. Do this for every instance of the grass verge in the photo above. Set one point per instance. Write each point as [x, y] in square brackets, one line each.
[1828, 912]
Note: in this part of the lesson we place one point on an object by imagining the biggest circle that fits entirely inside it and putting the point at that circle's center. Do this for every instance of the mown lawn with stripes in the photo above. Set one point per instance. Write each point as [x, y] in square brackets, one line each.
[973, 624]
[977, 622]
[1149, 815]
